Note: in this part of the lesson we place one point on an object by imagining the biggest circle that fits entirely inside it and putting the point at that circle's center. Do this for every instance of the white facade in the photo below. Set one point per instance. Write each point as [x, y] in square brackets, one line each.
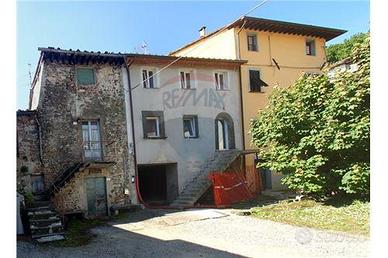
[203, 101]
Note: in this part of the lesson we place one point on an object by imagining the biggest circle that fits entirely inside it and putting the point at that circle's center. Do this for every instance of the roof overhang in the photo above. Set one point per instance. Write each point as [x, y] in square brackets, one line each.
[253, 23]
[182, 61]
[80, 57]
[261, 24]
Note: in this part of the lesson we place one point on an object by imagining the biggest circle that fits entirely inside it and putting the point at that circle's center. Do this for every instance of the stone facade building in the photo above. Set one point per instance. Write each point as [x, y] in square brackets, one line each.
[78, 99]
[104, 129]
[29, 162]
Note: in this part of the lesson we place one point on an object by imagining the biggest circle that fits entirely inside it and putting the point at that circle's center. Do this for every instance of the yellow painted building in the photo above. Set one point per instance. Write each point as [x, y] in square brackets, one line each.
[278, 53]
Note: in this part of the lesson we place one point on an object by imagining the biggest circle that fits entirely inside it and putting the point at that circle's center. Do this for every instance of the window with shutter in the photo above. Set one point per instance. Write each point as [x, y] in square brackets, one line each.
[255, 82]
[85, 76]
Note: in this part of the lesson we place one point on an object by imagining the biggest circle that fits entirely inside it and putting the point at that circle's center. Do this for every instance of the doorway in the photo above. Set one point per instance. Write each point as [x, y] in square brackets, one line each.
[158, 184]
[96, 196]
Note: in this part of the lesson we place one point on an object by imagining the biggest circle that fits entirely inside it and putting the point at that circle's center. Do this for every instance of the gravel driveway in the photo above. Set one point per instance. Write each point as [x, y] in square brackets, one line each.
[204, 233]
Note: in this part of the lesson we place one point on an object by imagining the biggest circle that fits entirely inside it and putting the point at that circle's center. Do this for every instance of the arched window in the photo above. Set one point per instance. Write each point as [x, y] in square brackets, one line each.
[224, 132]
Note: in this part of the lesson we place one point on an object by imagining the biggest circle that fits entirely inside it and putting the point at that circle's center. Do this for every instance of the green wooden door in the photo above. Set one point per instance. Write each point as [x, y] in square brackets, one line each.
[96, 196]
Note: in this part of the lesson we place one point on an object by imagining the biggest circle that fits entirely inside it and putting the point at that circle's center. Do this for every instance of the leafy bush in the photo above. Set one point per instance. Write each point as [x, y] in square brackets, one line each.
[337, 52]
[317, 131]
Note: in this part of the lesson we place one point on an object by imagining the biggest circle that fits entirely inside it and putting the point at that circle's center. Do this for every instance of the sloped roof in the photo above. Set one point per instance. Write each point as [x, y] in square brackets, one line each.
[254, 23]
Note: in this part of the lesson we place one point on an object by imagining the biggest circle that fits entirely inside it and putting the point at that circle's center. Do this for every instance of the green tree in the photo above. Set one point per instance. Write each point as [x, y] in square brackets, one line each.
[317, 131]
[340, 51]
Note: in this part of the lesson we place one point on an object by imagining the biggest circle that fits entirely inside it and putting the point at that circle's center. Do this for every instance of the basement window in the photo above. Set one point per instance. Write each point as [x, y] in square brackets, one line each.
[310, 47]
[221, 80]
[190, 126]
[252, 42]
[85, 76]
[149, 78]
[186, 78]
[153, 125]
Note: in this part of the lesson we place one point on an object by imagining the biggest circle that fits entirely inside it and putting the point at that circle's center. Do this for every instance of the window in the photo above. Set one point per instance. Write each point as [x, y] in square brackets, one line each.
[252, 42]
[187, 80]
[91, 139]
[85, 76]
[153, 125]
[221, 79]
[310, 47]
[255, 82]
[149, 78]
[190, 126]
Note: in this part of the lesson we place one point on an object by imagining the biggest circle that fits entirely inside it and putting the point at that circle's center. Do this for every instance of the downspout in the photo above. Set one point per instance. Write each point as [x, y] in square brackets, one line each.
[140, 198]
[40, 139]
[133, 129]
[241, 92]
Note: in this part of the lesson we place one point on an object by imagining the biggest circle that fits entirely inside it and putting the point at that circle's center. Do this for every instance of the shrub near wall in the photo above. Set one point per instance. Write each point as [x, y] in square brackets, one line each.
[317, 131]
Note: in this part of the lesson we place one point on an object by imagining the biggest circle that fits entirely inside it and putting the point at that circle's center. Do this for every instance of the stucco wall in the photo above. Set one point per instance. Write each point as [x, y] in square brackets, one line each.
[221, 45]
[62, 108]
[176, 102]
[288, 51]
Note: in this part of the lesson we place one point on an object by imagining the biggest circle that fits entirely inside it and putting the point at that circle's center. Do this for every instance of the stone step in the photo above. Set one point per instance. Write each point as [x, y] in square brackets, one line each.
[50, 238]
[47, 235]
[52, 225]
[197, 186]
[44, 214]
[45, 231]
[40, 208]
[44, 222]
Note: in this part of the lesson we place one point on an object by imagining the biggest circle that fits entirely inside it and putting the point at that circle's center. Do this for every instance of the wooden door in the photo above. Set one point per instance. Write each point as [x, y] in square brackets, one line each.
[96, 196]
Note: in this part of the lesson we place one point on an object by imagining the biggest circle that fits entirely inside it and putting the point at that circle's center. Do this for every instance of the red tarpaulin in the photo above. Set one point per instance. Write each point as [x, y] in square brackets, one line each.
[229, 188]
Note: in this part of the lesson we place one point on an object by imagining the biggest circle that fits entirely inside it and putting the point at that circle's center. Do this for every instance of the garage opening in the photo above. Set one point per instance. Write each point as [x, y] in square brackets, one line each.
[158, 184]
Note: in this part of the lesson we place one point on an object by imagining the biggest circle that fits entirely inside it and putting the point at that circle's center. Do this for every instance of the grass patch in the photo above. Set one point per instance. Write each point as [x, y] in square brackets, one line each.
[78, 233]
[351, 218]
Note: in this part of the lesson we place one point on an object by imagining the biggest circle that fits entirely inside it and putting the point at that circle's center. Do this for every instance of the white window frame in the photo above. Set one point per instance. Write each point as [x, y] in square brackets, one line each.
[192, 120]
[155, 78]
[226, 79]
[193, 81]
[313, 51]
[157, 120]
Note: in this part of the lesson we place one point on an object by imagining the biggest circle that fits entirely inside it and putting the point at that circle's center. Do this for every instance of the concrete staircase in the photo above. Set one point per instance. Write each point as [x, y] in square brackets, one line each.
[45, 223]
[195, 188]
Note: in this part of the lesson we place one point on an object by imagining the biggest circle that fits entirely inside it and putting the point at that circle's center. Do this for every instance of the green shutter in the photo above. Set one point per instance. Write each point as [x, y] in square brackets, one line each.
[85, 76]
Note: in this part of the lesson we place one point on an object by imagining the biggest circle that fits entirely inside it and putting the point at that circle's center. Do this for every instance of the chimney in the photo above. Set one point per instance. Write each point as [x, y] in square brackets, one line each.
[202, 31]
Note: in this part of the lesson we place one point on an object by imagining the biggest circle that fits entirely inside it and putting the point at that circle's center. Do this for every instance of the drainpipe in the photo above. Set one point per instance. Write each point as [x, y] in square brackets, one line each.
[140, 198]
[241, 97]
[40, 138]
[133, 127]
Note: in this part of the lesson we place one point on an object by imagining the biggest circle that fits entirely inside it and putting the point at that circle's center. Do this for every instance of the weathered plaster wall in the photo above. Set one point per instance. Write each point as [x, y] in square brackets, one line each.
[62, 109]
[28, 162]
[204, 101]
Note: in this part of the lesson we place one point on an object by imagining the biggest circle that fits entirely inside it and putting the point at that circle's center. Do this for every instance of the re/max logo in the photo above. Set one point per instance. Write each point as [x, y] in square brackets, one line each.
[195, 97]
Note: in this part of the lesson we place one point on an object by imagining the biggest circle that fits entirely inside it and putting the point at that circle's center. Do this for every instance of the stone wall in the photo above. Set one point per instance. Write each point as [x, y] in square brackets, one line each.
[63, 106]
[28, 161]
